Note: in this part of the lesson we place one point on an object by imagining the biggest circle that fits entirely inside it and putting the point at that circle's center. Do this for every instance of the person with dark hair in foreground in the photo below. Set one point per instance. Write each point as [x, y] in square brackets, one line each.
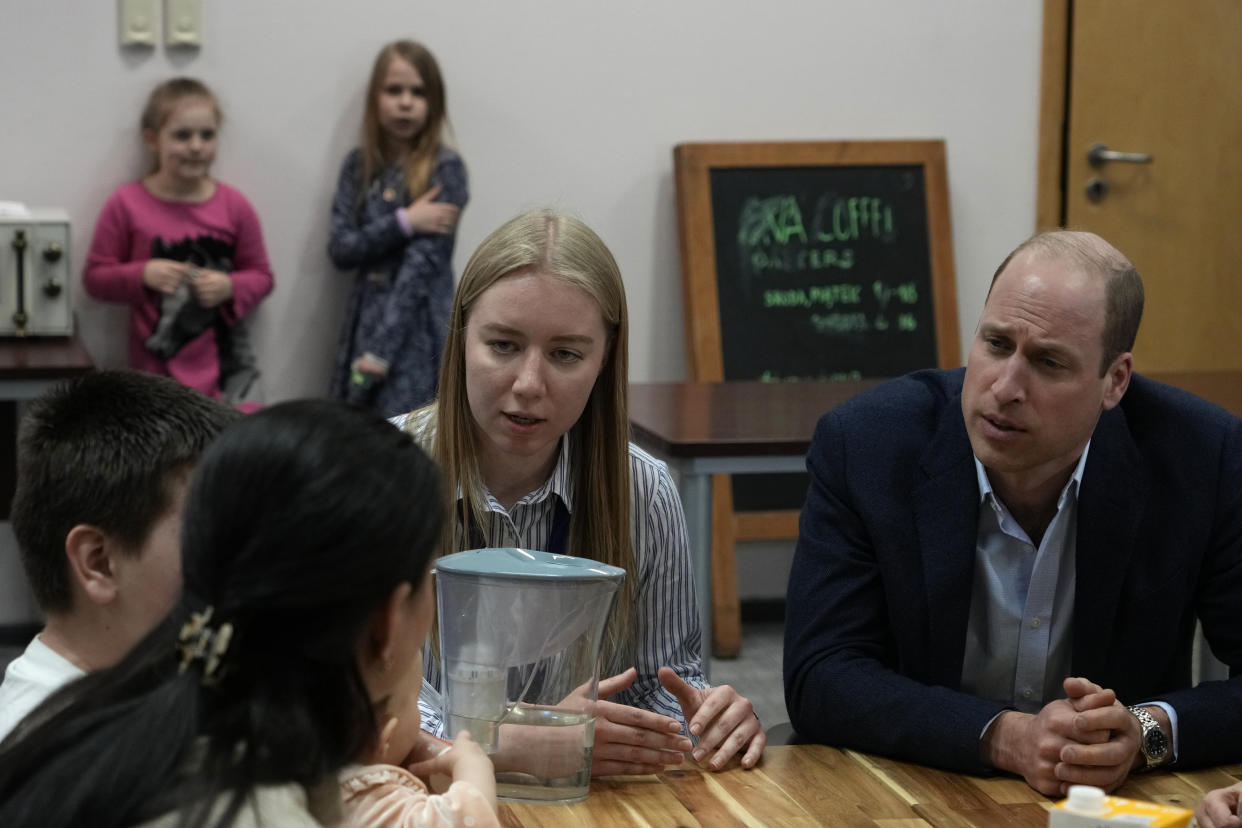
[103, 461]
[308, 534]
[993, 563]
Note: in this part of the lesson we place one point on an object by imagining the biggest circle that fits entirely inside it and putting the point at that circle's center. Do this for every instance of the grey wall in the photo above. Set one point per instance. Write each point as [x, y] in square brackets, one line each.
[563, 102]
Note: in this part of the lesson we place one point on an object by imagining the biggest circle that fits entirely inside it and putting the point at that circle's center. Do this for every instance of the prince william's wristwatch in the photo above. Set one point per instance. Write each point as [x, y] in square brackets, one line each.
[1153, 741]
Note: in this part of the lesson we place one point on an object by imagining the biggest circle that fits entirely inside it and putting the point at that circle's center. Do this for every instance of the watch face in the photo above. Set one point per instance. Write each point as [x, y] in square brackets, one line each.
[1155, 743]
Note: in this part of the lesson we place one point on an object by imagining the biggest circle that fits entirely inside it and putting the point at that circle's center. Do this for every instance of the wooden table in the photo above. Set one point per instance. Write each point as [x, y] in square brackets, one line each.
[793, 785]
[940, 798]
[28, 365]
[706, 428]
[818, 785]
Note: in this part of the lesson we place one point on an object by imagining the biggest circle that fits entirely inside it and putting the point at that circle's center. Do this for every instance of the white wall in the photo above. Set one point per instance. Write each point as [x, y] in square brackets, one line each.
[563, 102]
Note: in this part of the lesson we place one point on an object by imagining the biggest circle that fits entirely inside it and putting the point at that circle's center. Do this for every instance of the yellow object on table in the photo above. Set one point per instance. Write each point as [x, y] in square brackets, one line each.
[1088, 807]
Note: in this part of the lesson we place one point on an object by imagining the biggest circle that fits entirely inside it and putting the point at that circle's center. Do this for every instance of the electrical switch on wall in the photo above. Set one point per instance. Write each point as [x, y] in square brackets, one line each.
[137, 22]
[183, 23]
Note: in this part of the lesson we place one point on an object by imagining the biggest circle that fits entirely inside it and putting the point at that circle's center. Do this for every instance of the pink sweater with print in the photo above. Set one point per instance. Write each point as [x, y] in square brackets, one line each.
[132, 223]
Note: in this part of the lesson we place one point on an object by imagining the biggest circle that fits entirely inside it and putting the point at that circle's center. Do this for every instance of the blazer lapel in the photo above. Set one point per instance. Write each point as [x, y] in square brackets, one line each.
[946, 511]
[1114, 495]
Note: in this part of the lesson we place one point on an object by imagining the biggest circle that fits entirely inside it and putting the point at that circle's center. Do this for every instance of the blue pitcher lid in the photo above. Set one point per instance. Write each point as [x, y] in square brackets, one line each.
[511, 562]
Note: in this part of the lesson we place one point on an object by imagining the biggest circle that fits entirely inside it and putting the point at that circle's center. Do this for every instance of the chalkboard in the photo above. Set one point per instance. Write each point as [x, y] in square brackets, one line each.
[814, 261]
[822, 273]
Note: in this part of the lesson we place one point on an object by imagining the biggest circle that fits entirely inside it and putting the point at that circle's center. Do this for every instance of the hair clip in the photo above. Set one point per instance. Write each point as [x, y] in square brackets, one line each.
[199, 641]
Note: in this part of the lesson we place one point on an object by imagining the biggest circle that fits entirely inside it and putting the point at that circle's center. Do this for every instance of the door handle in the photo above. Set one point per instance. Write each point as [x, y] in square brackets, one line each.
[1099, 155]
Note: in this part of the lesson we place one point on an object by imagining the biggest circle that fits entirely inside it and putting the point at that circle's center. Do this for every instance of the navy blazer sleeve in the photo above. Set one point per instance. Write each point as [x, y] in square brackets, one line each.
[1185, 563]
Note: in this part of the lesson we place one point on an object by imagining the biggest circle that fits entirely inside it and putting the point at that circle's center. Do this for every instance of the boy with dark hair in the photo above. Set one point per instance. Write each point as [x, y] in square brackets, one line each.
[102, 466]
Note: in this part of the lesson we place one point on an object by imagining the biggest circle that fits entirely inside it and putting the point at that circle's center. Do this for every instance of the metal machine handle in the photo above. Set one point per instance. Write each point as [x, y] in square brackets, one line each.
[19, 316]
[1099, 155]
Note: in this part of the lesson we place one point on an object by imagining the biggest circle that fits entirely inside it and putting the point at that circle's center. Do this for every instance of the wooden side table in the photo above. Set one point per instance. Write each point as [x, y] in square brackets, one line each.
[707, 428]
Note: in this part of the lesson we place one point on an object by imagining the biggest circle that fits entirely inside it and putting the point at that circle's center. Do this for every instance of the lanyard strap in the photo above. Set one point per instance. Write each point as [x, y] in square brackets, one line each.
[558, 538]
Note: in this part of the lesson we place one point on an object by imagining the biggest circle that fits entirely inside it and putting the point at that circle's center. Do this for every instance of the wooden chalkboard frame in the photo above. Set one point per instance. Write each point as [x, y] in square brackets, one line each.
[693, 164]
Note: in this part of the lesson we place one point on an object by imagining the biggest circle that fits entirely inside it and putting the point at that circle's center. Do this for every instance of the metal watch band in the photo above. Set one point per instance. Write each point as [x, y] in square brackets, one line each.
[1154, 754]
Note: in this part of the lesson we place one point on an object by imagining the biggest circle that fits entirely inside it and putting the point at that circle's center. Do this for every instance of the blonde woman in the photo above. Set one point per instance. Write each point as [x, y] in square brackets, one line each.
[531, 431]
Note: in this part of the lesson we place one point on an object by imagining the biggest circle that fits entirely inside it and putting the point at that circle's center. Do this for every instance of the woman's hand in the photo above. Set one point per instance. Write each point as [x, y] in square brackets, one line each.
[164, 275]
[429, 216]
[721, 718]
[211, 287]
[629, 740]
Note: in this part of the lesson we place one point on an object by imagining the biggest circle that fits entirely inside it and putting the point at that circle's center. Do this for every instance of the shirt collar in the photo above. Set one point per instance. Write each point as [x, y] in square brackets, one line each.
[1071, 486]
[558, 483]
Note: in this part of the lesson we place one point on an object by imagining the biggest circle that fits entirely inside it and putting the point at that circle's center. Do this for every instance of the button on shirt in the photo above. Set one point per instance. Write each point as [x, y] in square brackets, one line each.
[1019, 638]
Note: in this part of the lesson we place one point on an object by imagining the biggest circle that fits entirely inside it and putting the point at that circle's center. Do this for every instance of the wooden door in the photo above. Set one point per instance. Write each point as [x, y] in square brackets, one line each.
[1163, 77]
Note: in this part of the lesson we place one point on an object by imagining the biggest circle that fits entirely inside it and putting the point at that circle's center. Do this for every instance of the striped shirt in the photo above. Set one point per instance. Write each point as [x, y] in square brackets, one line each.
[666, 621]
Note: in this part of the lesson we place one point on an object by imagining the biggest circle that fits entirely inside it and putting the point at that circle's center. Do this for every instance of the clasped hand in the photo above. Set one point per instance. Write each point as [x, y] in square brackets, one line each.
[428, 216]
[633, 741]
[210, 287]
[1088, 738]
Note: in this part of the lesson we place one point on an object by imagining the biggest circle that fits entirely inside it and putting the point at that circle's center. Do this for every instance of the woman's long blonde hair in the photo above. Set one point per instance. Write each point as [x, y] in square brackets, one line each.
[562, 248]
[421, 160]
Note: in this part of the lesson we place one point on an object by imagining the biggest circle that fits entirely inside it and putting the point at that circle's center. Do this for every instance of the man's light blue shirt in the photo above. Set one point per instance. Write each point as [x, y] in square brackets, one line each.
[1019, 638]
[1020, 634]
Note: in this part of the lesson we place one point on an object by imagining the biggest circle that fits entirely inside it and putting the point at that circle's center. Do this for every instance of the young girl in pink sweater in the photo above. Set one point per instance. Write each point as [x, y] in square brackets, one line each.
[183, 250]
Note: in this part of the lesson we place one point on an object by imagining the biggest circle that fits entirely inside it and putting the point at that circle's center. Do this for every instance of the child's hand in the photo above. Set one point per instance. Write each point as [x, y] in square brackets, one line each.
[371, 365]
[465, 761]
[164, 275]
[426, 747]
[211, 287]
[428, 216]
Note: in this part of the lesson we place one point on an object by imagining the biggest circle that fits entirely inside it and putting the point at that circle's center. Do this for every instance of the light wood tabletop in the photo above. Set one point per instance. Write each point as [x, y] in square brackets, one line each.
[818, 785]
[793, 785]
[952, 800]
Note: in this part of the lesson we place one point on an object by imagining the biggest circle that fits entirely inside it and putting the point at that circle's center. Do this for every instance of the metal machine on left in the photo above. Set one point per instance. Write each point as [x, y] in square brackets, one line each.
[34, 274]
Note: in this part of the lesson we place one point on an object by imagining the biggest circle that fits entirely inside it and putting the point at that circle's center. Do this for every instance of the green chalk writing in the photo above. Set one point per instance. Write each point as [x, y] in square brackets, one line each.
[826, 296]
[778, 221]
[853, 218]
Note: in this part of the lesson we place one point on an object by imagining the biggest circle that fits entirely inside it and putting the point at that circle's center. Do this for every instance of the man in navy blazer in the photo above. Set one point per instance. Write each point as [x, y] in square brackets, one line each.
[993, 563]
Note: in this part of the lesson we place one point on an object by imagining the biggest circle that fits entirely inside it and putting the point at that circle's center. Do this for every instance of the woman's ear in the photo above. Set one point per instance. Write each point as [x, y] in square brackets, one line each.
[88, 553]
